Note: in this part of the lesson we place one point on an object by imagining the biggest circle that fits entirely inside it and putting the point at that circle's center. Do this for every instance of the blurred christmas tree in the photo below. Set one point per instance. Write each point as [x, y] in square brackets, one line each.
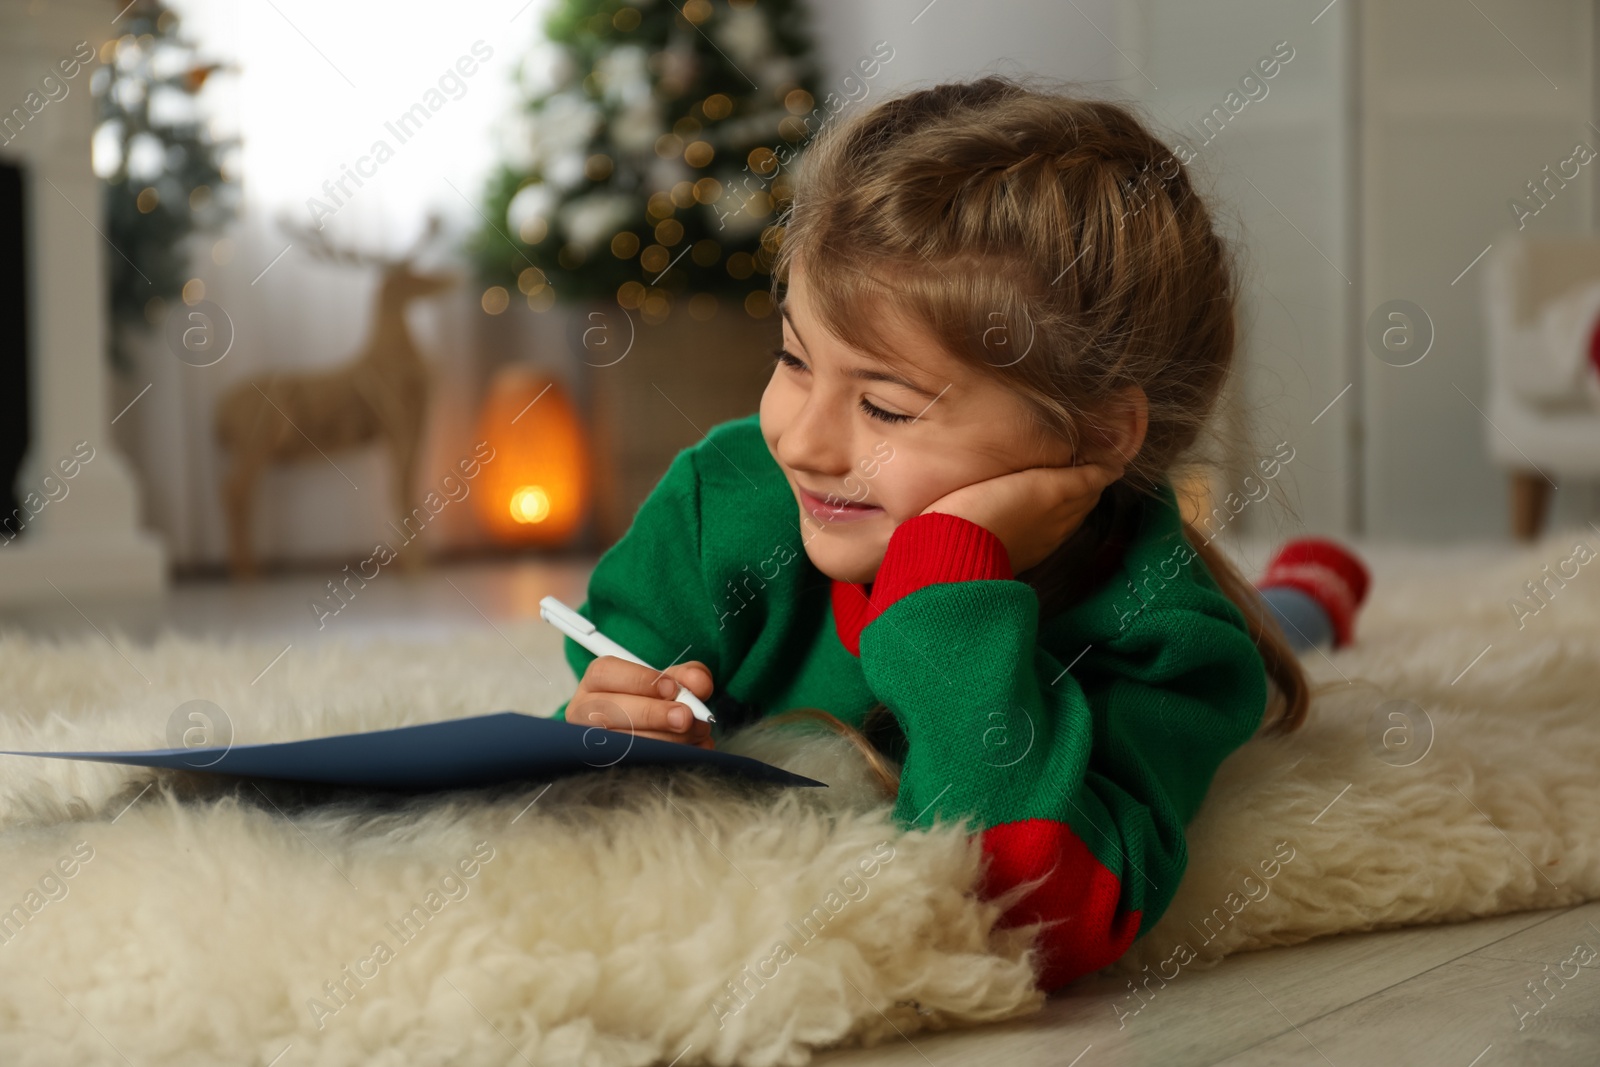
[652, 170]
[160, 162]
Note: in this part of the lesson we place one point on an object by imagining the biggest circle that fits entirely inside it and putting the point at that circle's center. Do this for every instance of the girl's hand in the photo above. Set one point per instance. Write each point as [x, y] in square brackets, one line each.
[621, 695]
[1032, 511]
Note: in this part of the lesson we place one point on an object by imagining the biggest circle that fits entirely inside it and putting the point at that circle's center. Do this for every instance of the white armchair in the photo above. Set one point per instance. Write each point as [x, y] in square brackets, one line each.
[1539, 437]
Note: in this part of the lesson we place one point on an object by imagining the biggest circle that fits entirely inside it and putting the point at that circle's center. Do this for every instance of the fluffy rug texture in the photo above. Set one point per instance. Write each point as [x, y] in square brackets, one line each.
[618, 918]
[637, 917]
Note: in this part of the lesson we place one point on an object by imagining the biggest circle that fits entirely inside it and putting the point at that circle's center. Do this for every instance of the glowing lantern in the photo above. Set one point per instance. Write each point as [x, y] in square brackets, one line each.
[535, 491]
[530, 503]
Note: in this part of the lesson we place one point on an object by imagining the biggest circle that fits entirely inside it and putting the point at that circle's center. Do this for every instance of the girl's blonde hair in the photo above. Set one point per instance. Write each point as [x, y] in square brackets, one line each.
[1055, 244]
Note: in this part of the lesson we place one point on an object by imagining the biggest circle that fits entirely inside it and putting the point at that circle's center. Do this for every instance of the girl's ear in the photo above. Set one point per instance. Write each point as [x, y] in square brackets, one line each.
[1127, 421]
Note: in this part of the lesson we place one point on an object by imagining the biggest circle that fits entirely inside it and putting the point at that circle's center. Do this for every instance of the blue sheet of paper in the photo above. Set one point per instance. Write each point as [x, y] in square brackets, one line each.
[456, 753]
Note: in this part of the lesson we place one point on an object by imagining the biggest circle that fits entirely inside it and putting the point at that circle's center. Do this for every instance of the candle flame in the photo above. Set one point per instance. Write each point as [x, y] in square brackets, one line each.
[530, 503]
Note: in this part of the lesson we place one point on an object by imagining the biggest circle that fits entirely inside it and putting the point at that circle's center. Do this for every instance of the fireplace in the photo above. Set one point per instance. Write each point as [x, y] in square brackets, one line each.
[72, 525]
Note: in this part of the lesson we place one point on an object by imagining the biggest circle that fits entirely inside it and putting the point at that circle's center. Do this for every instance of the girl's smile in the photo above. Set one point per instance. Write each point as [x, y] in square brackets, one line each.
[834, 508]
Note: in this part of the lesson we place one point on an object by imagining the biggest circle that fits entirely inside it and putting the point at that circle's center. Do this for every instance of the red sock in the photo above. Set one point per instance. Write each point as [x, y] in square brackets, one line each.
[1327, 572]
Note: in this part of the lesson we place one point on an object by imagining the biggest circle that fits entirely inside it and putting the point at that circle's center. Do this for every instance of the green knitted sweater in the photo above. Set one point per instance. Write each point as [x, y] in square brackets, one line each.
[1079, 745]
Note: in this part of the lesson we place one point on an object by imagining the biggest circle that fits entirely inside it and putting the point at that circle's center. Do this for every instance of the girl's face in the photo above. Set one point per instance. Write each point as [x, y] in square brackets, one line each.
[865, 447]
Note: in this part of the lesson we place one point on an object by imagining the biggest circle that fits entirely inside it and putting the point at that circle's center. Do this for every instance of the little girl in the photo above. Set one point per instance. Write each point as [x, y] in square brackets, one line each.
[1005, 316]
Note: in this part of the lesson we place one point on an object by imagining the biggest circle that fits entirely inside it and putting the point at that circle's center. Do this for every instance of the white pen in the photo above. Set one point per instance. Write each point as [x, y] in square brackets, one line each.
[584, 632]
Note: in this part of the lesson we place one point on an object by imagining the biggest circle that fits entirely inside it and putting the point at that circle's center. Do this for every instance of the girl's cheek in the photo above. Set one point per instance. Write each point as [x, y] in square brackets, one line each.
[903, 492]
[772, 414]
[913, 480]
[767, 408]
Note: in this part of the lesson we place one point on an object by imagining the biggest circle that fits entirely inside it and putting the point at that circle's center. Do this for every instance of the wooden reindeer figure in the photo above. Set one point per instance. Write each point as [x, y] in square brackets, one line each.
[380, 395]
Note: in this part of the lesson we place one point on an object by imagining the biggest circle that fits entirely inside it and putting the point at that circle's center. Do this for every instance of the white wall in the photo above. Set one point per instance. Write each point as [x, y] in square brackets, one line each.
[951, 39]
[1460, 115]
[1378, 168]
[1279, 178]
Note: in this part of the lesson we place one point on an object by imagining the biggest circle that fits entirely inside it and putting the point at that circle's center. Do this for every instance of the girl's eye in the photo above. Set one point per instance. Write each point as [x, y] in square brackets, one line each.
[788, 359]
[878, 413]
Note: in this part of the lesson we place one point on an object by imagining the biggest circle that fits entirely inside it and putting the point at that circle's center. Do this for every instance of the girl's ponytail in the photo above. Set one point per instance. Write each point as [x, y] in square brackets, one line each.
[1286, 710]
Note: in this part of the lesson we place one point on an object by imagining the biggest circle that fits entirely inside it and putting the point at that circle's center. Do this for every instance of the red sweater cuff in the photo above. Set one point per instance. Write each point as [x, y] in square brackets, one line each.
[924, 550]
[937, 547]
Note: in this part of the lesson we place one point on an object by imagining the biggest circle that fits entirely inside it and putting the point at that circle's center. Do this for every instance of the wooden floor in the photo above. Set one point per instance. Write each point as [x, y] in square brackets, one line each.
[1446, 995]
[1424, 995]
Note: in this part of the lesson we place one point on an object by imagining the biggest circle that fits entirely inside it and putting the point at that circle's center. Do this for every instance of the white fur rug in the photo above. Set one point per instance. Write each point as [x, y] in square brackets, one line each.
[611, 919]
[635, 918]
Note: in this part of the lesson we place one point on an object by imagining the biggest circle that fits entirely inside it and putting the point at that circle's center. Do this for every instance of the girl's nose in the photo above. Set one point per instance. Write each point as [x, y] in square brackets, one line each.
[816, 437]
